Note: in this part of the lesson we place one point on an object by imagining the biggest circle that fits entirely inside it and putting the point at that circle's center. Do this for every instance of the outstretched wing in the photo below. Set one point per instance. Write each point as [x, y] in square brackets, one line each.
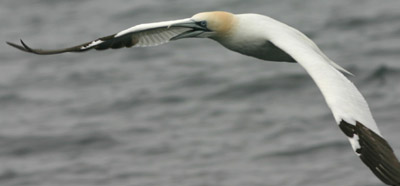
[142, 35]
[348, 106]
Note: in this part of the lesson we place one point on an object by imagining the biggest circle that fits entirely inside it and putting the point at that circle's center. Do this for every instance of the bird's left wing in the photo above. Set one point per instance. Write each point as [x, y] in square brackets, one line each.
[348, 106]
[150, 34]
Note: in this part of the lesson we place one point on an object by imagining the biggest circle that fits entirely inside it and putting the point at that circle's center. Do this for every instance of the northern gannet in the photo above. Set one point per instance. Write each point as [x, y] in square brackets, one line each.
[268, 39]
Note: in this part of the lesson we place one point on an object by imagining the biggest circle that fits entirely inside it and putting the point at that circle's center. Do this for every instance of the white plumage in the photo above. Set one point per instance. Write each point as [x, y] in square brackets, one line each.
[265, 38]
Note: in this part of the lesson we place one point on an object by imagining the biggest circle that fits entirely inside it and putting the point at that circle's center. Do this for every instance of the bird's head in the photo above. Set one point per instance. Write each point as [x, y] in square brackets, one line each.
[207, 24]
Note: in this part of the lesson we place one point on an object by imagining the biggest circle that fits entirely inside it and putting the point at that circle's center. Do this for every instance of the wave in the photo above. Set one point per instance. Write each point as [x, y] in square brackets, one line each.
[349, 22]
[28, 145]
[311, 149]
[381, 73]
[11, 98]
[8, 175]
[305, 150]
[262, 85]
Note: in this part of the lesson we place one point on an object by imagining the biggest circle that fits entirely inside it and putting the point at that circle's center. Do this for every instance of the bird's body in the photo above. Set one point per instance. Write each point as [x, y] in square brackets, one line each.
[265, 38]
[246, 38]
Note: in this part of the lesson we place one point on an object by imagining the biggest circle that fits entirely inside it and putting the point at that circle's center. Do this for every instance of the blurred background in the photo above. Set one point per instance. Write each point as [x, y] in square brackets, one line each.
[189, 113]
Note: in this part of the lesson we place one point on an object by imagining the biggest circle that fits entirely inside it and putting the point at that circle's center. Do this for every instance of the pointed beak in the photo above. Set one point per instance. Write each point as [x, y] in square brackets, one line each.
[197, 29]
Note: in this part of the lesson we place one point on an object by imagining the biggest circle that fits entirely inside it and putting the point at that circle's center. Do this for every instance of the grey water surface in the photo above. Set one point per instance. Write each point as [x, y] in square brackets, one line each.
[189, 113]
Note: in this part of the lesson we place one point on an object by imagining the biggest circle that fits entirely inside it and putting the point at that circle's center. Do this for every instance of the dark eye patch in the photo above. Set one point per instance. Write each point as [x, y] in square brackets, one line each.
[202, 23]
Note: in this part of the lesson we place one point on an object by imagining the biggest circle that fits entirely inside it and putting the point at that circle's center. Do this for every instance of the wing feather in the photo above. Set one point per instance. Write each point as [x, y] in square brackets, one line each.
[348, 106]
[144, 35]
[342, 97]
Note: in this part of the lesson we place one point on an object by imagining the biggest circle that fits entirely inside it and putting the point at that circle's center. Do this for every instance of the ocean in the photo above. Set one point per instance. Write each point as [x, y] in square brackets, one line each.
[190, 112]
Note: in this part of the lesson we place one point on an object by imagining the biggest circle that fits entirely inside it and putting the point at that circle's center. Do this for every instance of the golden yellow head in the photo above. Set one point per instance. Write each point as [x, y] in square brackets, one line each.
[219, 22]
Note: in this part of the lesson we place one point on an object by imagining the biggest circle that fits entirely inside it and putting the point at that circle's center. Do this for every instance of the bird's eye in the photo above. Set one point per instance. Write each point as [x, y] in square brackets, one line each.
[203, 23]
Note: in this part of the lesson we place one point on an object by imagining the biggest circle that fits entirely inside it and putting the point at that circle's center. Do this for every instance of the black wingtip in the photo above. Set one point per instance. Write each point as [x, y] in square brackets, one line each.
[13, 45]
[26, 47]
[22, 47]
[375, 152]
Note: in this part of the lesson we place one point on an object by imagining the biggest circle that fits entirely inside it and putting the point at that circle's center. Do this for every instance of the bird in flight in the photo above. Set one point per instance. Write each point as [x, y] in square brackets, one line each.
[264, 38]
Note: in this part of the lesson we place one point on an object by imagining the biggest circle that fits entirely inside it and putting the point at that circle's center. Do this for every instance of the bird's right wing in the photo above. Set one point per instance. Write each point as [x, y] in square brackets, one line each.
[348, 106]
[150, 34]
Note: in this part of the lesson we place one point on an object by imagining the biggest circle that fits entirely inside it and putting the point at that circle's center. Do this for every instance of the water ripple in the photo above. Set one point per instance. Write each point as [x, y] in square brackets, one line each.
[27, 145]
[303, 151]
[261, 86]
